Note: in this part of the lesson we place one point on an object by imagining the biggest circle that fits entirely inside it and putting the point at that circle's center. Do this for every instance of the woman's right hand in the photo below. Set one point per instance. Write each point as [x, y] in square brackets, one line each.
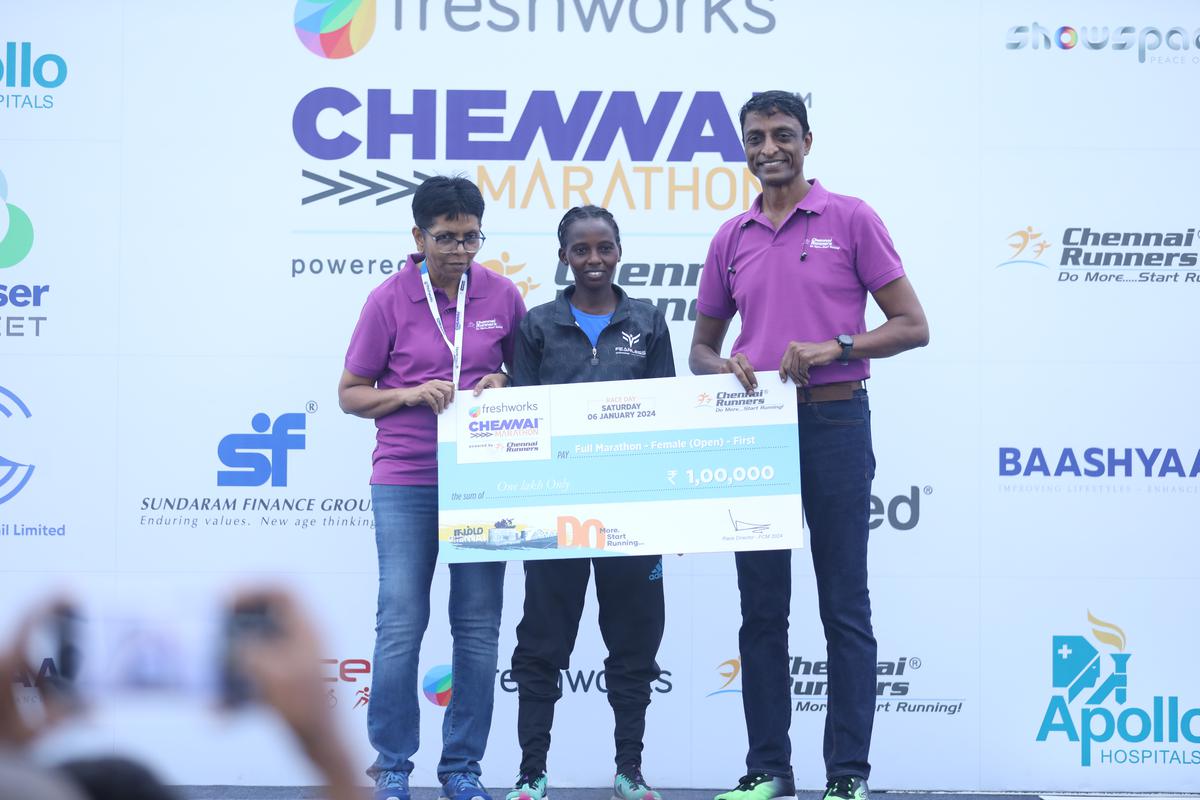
[436, 394]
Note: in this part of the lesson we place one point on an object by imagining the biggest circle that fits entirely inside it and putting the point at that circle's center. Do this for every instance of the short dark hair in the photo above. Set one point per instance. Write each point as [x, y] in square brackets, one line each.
[776, 102]
[586, 212]
[443, 196]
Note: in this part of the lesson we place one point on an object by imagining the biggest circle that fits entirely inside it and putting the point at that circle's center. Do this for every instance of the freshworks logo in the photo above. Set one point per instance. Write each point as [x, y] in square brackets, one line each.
[13, 475]
[16, 230]
[438, 684]
[335, 28]
[1076, 666]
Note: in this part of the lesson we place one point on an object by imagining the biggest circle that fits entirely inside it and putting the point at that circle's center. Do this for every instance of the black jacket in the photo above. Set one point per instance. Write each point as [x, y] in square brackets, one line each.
[551, 348]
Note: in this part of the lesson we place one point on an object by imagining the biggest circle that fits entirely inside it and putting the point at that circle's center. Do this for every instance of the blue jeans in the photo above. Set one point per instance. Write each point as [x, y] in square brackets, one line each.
[406, 535]
[836, 469]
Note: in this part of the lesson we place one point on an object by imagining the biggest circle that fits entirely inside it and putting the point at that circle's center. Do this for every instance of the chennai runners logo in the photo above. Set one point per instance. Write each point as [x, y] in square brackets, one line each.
[1027, 246]
[335, 28]
[1092, 708]
[729, 670]
[1082, 254]
[502, 266]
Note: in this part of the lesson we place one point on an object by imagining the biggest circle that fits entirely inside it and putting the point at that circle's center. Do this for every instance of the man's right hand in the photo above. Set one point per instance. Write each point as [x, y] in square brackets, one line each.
[739, 365]
[436, 394]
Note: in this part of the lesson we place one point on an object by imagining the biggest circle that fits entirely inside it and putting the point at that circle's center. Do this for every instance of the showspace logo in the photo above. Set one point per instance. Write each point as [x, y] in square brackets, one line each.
[1146, 40]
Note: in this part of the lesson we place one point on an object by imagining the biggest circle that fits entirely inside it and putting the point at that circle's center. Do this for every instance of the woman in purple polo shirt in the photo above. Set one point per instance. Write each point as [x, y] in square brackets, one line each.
[443, 321]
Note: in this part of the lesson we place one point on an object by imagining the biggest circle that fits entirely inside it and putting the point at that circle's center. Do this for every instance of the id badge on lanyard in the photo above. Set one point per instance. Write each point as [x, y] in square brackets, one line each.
[459, 313]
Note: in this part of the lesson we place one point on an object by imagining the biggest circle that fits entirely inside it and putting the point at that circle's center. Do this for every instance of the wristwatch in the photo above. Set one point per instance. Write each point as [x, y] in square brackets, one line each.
[847, 343]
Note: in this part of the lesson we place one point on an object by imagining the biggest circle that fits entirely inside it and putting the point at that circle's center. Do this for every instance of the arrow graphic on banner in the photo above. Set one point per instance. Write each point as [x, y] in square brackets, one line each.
[370, 188]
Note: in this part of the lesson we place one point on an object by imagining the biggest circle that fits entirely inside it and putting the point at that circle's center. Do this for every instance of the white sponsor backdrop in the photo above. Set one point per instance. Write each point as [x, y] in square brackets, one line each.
[165, 178]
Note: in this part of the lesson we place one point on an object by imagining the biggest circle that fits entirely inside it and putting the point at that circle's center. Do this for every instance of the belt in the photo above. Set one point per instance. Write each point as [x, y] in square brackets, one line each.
[828, 392]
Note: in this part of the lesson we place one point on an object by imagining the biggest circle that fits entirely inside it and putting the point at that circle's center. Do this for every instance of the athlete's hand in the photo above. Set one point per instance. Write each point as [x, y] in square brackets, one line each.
[435, 394]
[496, 380]
[739, 365]
[799, 356]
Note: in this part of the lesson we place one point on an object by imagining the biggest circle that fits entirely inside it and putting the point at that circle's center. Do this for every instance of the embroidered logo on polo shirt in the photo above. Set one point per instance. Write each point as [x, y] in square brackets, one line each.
[485, 325]
[823, 244]
[631, 339]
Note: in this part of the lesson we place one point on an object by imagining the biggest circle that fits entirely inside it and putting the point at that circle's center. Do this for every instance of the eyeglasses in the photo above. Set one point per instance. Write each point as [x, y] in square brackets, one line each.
[445, 243]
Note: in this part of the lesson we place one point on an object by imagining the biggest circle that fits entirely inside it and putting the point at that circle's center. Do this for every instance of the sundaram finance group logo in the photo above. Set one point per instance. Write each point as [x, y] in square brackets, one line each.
[1091, 707]
[335, 28]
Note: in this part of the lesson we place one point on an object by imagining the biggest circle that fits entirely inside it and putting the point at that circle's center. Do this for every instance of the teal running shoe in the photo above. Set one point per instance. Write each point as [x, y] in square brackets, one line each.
[529, 786]
[847, 788]
[630, 785]
[760, 787]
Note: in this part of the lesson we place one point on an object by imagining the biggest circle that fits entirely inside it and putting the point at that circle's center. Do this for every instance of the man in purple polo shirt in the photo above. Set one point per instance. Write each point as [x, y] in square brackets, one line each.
[798, 267]
[440, 323]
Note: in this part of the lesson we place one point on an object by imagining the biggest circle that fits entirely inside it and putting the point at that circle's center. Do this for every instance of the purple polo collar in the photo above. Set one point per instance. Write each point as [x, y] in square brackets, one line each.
[410, 278]
[814, 202]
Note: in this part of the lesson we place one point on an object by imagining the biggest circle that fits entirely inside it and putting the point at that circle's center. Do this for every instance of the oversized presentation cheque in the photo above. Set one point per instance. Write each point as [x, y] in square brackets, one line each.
[666, 465]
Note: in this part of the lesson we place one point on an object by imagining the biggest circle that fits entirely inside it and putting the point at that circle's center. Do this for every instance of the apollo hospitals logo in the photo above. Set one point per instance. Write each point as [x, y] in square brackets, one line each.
[1092, 706]
[335, 28]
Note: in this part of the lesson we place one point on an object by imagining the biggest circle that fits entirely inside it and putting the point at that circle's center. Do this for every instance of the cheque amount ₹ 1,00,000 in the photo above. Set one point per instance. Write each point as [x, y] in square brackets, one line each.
[723, 476]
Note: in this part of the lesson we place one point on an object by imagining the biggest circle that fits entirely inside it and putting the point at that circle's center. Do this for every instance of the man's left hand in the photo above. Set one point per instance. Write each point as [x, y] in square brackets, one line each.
[800, 356]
